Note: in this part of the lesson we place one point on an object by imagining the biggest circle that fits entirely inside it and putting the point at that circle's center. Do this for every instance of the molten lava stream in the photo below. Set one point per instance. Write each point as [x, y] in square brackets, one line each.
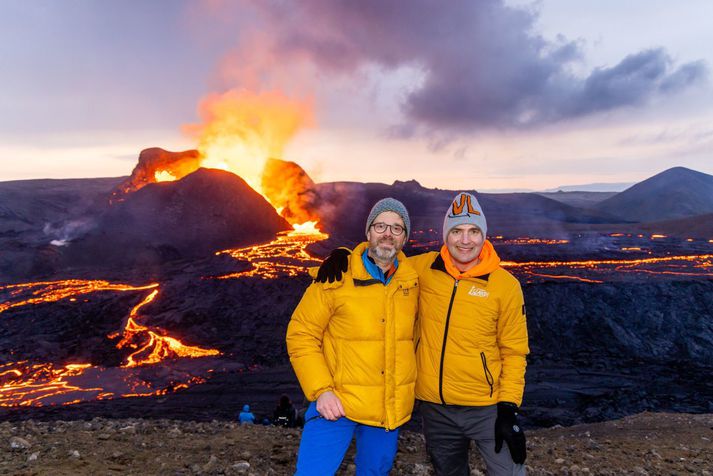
[53, 291]
[35, 384]
[284, 256]
[158, 347]
[688, 265]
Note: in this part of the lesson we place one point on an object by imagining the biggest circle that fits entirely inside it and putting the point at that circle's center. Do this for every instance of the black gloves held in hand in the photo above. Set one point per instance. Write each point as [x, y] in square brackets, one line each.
[507, 429]
[334, 266]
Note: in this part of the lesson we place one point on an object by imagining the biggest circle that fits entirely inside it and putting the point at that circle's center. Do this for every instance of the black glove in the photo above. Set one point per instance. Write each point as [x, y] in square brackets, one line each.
[507, 429]
[336, 264]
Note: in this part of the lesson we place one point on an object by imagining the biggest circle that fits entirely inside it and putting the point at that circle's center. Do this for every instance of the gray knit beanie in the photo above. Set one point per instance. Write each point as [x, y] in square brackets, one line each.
[464, 209]
[389, 205]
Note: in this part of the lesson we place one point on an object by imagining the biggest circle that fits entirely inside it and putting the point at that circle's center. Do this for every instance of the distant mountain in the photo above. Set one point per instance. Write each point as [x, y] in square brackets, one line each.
[345, 206]
[579, 199]
[674, 193]
[204, 211]
[591, 187]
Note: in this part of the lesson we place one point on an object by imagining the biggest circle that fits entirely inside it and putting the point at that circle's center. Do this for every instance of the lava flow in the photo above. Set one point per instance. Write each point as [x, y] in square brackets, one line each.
[700, 266]
[26, 383]
[284, 256]
[52, 291]
[158, 347]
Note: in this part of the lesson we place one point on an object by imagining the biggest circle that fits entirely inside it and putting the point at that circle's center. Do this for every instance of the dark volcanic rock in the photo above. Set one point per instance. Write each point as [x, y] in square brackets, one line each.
[657, 321]
[203, 212]
[700, 226]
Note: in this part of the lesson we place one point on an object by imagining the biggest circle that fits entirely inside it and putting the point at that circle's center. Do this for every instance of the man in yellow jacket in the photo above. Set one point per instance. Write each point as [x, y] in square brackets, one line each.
[472, 347]
[351, 344]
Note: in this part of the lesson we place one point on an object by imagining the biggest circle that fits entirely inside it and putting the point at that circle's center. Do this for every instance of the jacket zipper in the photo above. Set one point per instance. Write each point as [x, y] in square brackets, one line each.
[488, 376]
[445, 339]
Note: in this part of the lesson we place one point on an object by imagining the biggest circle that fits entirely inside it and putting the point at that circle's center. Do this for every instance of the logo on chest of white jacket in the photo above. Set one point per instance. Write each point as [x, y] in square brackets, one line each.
[478, 292]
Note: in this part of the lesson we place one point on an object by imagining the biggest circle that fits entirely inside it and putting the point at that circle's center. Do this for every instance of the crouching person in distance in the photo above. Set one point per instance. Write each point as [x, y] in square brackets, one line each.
[351, 344]
[471, 346]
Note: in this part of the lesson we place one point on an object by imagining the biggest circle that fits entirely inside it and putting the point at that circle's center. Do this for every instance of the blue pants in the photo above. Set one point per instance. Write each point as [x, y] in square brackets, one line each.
[324, 444]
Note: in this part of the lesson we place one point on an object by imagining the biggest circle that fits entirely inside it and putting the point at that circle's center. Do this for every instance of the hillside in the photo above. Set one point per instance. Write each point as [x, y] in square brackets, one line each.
[700, 226]
[578, 198]
[674, 193]
[29, 204]
[513, 214]
[200, 213]
[648, 443]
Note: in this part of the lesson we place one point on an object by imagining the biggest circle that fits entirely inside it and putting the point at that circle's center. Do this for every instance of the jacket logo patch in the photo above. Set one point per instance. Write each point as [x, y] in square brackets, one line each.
[405, 291]
[478, 292]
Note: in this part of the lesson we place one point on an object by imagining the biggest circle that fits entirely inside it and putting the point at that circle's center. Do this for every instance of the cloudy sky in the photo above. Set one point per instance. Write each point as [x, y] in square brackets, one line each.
[466, 94]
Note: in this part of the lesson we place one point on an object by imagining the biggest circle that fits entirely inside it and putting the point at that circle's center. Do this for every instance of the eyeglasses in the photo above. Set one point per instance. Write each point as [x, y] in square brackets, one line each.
[396, 230]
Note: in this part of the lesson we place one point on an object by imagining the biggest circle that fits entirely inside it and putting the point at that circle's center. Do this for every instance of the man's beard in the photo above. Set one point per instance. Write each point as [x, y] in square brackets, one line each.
[382, 253]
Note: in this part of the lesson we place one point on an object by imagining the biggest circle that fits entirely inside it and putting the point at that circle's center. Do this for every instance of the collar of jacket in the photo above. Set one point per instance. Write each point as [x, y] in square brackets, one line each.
[375, 271]
[491, 262]
[361, 276]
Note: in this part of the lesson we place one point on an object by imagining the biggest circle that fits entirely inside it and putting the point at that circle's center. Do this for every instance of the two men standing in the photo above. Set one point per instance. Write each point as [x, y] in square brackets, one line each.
[470, 347]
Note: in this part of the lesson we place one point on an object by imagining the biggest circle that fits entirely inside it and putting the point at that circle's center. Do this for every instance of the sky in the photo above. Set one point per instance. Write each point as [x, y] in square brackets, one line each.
[466, 94]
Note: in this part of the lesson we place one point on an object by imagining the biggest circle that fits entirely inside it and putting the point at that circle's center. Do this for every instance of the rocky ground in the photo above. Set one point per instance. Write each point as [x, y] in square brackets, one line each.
[648, 443]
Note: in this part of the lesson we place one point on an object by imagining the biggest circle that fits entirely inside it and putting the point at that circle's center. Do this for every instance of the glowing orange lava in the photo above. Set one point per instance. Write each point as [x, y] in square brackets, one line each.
[52, 291]
[534, 241]
[164, 176]
[243, 130]
[157, 347]
[23, 383]
[284, 256]
[688, 265]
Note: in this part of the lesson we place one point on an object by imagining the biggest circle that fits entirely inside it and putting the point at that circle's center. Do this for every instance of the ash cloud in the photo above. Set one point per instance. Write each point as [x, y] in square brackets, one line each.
[484, 64]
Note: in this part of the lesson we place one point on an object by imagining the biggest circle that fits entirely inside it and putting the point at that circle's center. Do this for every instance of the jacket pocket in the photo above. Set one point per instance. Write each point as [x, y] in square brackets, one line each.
[488, 376]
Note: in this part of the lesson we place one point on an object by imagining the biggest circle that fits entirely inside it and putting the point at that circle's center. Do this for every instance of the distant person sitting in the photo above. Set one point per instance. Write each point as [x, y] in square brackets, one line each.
[246, 417]
[285, 413]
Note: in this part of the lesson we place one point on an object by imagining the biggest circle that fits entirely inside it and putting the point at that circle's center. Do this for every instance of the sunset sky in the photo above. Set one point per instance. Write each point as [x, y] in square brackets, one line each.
[462, 94]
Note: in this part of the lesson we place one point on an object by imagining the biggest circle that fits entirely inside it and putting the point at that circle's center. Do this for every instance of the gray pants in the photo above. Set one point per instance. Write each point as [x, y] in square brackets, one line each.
[449, 429]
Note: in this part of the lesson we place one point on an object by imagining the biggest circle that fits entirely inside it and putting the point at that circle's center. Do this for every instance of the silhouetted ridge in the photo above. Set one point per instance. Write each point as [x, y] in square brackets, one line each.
[674, 193]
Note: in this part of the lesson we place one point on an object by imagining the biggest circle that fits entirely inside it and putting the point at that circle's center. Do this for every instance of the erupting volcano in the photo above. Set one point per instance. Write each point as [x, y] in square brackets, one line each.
[246, 134]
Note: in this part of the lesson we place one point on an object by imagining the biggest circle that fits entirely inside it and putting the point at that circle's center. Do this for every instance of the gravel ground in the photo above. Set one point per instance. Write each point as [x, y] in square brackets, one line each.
[648, 443]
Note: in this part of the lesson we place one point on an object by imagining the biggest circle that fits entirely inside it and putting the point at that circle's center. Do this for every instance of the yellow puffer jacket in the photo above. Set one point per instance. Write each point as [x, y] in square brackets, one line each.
[356, 338]
[473, 335]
